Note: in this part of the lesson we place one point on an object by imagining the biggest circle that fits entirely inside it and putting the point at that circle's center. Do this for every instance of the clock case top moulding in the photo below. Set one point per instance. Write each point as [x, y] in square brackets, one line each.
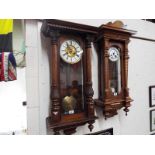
[53, 29]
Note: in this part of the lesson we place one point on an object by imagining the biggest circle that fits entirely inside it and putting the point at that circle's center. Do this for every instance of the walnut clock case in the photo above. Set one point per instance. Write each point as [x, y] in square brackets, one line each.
[72, 102]
[113, 69]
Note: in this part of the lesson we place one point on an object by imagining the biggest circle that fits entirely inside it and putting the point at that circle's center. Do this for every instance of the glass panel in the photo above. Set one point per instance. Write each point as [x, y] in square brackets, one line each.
[71, 87]
[115, 71]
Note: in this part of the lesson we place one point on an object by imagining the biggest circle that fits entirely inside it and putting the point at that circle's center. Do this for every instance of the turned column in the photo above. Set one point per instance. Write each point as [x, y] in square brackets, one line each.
[88, 80]
[106, 67]
[107, 105]
[88, 77]
[55, 78]
[126, 91]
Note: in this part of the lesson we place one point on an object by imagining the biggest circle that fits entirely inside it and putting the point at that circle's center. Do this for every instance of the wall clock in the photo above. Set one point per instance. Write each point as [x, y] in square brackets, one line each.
[71, 91]
[113, 58]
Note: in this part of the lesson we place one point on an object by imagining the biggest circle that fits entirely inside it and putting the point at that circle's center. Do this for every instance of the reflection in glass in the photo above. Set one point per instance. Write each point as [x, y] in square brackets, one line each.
[115, 75]
[71, 87]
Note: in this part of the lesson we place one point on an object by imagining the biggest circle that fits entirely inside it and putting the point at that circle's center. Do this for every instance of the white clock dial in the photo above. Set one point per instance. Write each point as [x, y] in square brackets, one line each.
[71, 51]
[113, 54]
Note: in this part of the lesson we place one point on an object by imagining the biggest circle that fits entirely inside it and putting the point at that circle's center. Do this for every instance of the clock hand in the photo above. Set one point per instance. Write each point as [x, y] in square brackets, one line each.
[67, 45]
[80, 52]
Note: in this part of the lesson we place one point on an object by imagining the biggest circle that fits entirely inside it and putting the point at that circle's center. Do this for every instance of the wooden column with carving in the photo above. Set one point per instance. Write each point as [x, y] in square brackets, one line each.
[107, 104]
[88, 80]
[106, 67]
[126, 91]
[55, 88]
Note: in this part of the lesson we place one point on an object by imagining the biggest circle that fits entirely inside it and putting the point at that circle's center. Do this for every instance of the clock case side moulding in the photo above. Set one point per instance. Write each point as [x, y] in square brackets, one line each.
[54, 29]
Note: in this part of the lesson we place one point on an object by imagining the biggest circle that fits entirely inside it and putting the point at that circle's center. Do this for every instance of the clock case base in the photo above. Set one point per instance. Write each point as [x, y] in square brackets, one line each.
[110, 108]
[69, 127]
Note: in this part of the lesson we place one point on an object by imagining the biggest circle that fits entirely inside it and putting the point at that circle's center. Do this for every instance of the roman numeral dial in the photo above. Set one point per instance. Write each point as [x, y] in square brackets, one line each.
[71, 51]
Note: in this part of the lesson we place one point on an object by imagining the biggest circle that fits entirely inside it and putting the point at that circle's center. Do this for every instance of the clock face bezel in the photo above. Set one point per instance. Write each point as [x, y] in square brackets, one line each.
[117, 53]
[70, 47]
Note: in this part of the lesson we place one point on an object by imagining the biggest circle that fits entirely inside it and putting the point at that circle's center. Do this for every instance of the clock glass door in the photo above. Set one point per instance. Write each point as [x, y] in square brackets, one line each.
[114, 70]
[71, 86]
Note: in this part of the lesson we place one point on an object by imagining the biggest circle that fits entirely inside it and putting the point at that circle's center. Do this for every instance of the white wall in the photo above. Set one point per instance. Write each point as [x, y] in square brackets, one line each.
[141, 75]
[13, 93]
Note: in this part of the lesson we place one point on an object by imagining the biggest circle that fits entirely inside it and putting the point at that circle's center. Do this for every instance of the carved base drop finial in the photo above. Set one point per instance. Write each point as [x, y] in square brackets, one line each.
[126, 110]
[56, 132]
[90, 126]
